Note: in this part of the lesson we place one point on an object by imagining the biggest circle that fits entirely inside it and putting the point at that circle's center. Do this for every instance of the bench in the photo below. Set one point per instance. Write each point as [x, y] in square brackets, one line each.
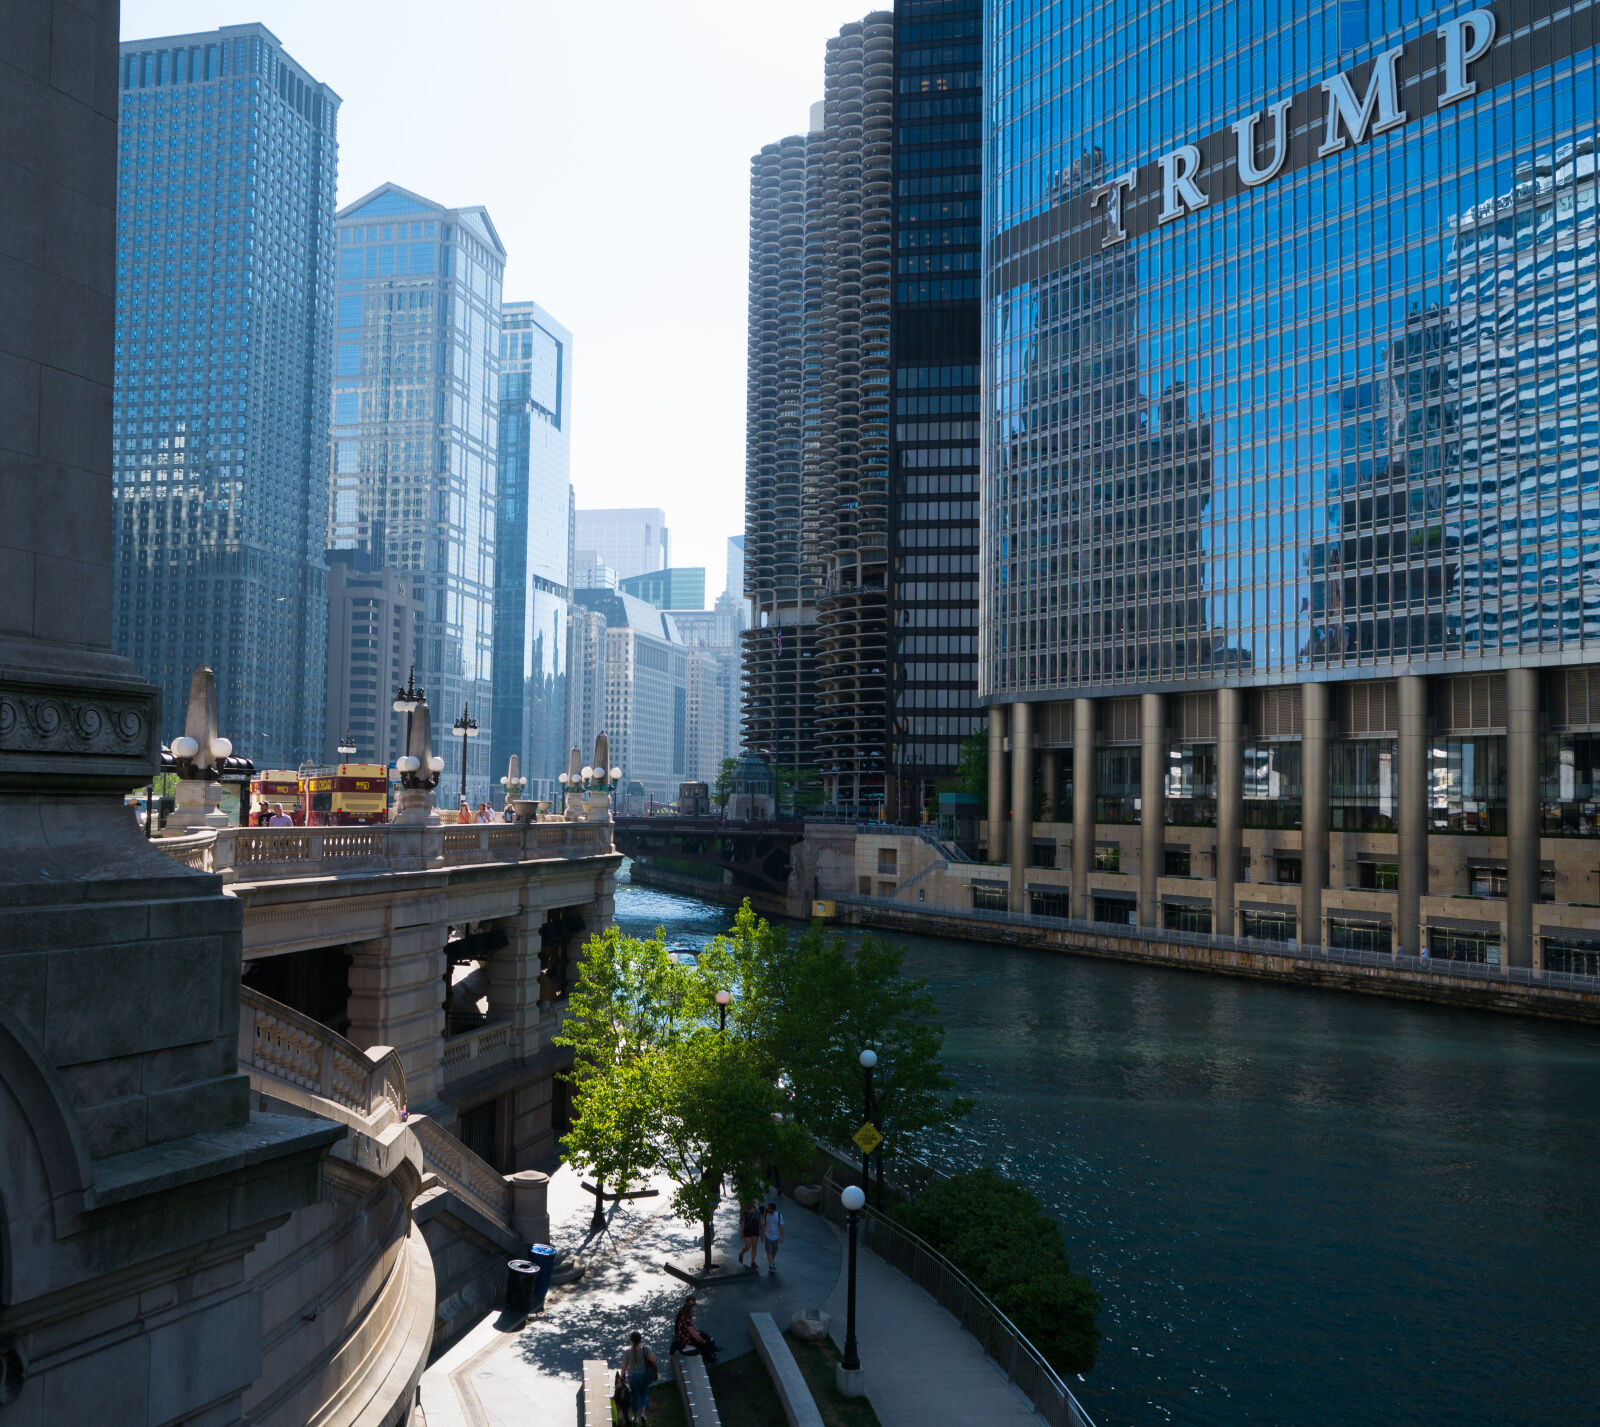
[699, 1407]
[596, 1393]
[798, 1405]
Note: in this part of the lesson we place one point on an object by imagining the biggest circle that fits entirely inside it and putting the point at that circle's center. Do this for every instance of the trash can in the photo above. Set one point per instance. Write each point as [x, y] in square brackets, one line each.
[544, 1266]
[521, 1279]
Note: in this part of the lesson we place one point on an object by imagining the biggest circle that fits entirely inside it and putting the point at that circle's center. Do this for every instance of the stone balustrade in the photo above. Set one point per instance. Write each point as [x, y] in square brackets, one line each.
[282, 1045]
[254, 854]
[482, 1047]
[464, 1174]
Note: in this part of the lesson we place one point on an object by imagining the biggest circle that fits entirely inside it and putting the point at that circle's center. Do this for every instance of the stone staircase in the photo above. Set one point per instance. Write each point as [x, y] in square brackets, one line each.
[466, 1211]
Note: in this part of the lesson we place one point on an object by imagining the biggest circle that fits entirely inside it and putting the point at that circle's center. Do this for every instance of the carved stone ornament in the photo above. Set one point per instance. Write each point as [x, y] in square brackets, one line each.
[68, 723]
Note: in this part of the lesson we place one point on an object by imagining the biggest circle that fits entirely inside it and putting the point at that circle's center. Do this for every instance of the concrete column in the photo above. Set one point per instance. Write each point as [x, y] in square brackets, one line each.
[997, 784]
[1050, 773]
[1314, 810]
[514, 982]
[1230, 805]
[1152, 803]
[1411, 810]
[1021, 800]
[1082, 805]
[397, 999]
[1522, 812]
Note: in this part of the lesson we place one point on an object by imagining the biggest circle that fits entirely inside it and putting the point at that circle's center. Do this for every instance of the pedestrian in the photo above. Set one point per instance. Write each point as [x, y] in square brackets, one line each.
[465, 815]
[688, 1340]
[484, 814]
[750, 1234]
[510, 814]
[279, 818]
[772, 1233]
[639, 1370]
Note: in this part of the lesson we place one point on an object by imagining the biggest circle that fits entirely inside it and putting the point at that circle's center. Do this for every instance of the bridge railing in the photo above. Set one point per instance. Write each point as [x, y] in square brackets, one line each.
[251, 854]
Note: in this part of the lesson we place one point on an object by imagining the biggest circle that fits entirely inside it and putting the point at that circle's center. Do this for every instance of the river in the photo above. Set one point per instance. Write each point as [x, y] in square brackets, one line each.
[1300, 1207]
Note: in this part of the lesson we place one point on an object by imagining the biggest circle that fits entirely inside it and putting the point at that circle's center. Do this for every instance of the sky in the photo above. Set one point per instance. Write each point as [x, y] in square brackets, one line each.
[611, 144]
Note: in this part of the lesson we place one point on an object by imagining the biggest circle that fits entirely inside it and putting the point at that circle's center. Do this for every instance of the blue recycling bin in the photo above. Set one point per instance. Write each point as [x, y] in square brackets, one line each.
[543, 1258]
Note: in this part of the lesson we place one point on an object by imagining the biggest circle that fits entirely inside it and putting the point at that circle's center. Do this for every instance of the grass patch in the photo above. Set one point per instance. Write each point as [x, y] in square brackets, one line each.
[745, 1394]
[817, 1363]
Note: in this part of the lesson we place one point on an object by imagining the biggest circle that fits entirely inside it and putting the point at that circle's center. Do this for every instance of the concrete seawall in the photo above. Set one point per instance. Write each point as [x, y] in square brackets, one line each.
[1487, 995]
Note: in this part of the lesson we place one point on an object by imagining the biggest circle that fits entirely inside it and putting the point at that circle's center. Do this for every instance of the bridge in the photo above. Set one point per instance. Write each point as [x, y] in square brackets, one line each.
[759, 855]
[406, 983]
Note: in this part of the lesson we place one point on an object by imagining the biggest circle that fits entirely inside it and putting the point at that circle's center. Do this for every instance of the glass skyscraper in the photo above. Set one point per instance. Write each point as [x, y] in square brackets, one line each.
[225, 218]
[533, 547]
[416, 407]
[1291, 507]
[933, 445]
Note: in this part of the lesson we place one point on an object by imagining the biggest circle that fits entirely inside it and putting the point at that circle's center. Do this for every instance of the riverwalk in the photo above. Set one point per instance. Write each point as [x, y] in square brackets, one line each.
[920, 1366]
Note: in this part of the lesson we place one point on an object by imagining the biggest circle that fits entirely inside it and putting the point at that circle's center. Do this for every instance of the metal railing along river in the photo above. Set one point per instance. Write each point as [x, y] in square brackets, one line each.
[931, 1271]
[1164, 936]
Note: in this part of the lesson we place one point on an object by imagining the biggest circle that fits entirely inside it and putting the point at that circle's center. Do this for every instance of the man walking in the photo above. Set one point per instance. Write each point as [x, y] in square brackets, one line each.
[772, 1236]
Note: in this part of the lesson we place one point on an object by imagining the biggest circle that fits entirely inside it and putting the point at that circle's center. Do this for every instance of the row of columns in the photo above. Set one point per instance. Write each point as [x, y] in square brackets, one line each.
[1411, 822]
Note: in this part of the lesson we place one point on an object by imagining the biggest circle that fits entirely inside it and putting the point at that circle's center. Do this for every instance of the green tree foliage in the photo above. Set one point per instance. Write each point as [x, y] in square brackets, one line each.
[972, 766]
[810, 1004]
[722, 789]
[999, 1235]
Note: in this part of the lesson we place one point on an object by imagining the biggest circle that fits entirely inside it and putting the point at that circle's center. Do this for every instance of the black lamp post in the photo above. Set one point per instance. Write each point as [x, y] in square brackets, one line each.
[852, 1199]
[465, 727]
[406, 699]
[723, 997]
[869, 1058]
[347, 745]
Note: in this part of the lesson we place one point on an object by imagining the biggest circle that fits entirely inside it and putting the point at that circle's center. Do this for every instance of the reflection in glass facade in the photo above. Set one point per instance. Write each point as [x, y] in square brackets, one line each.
[533, 547]
[1292, 398]
[225, 179]
[1340, 419]
[416, 407]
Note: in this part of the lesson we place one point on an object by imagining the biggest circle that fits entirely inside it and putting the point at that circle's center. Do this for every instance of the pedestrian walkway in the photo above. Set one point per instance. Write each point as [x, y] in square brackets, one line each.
[919, 1366]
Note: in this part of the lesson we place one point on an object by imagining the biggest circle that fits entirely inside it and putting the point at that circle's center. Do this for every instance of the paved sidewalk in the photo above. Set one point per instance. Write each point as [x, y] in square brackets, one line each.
[498, 1375]
[920, 1367]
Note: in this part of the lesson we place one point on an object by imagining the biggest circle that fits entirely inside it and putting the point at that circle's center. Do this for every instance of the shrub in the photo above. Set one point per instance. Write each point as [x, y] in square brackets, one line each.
[999, 1235]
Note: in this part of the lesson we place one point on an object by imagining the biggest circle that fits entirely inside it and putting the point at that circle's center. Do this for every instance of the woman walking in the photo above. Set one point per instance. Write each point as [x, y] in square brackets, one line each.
[750, 1233]
[638, 1371]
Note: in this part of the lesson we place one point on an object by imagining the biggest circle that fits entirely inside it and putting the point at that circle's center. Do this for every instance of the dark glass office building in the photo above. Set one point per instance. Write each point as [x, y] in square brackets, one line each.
[225, 214]
[933, 442]
[1291, 507]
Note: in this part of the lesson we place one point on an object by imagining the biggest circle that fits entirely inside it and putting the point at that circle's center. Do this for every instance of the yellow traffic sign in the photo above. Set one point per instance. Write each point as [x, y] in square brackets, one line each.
[867, 1138]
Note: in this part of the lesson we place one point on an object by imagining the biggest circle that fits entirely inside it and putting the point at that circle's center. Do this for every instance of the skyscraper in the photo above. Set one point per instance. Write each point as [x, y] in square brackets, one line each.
[933, 443]
[861, 478]
[225, 276]
[1291, 553]
[630, 541]
[416, 403]
[533, 543]
[676, 587]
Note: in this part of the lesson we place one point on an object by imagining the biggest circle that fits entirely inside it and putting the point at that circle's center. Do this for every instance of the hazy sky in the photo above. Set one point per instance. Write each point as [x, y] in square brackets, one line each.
[611, 145]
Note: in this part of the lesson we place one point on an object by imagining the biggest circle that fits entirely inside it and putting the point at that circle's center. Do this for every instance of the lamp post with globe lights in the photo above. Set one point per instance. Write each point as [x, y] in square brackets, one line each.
[347, 746]
[406, 700]
[198, 755]
[465, 727]
[869, 1059]
[723, 997]
[848, 1378]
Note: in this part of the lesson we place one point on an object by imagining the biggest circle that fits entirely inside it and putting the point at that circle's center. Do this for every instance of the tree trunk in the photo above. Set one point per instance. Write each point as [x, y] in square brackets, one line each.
[705, 1229]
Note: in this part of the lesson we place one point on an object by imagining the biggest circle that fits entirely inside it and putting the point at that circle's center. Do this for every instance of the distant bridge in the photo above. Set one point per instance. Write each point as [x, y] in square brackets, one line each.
[756, 853]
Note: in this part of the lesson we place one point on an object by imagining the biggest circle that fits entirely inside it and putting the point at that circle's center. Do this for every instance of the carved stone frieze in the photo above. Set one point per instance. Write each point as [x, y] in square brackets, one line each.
[59, 721]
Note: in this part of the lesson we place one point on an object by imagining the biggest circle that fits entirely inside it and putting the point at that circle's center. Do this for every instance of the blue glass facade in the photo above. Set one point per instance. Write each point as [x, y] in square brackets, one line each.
[1291, 491]
[533, 547]
[416, 407]
[1341, 419]
[226, 158]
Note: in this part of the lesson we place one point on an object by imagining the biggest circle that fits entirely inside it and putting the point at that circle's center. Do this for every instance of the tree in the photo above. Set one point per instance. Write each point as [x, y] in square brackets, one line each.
[722, 789]
[632, 999]
[810, 1004]
[972, 766]
[719, 1117]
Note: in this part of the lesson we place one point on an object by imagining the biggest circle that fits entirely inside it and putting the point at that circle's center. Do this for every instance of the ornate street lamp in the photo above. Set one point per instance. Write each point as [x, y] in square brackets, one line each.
[465, 727]
[347, 745]
[869, 1058]
[849, 1375]
[723, 997]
